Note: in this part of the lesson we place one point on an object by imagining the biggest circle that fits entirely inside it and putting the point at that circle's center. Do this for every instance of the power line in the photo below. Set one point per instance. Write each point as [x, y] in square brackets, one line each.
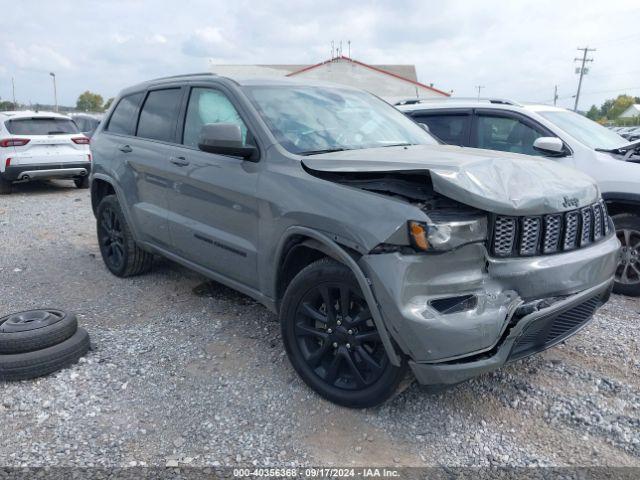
[585, 51]
[479, 88]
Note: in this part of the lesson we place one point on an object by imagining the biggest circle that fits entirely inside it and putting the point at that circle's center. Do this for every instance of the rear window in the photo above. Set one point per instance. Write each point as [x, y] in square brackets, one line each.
[159, 115]
[123, 119]
[41, 126]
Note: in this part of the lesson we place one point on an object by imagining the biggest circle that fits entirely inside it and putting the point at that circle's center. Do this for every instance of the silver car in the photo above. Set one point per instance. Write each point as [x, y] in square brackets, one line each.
[381, 251]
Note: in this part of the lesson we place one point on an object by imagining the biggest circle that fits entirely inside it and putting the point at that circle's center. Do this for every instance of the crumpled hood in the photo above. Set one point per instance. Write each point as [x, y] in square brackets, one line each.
[498, 182]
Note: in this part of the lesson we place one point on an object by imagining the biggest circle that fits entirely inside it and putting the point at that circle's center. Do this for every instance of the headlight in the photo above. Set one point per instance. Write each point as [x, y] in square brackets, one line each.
[441, 235]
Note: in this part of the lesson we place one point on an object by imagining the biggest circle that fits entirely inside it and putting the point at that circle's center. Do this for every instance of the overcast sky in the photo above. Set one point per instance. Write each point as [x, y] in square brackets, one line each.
[514, 49]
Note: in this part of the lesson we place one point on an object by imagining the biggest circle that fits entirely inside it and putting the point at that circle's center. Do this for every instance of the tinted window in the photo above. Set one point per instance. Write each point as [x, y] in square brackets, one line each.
[451, 129]
[505, 134]
[41, 126]
[123, 119]
[159, 114]
[208, 106]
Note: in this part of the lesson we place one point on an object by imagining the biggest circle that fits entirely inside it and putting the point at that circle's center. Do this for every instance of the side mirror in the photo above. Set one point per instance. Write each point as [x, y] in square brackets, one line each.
[425, 127]
[549, 145]
[225, 139]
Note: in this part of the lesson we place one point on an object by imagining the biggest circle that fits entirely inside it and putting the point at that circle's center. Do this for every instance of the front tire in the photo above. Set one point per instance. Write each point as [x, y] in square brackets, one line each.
[331, 339]
[627, 227]
[120, 253]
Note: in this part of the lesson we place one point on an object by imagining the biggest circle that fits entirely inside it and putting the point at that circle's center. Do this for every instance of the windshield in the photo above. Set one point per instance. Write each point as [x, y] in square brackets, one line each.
[41, 126]
[584, 130]
[307, 120]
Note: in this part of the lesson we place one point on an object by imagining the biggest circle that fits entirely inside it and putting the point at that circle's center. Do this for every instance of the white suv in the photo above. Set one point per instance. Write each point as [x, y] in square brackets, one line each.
[41, 145]
[555, 133]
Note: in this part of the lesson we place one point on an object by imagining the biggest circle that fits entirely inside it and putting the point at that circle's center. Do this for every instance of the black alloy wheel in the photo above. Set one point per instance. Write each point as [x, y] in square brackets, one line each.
[337, 337]
[111, 238]
[331, 338]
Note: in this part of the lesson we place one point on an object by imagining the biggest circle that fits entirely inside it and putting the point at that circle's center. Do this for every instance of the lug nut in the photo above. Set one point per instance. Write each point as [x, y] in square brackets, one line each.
[348, 345]
[329, 330]
[350, 332]
[335, 344]
[339, 322]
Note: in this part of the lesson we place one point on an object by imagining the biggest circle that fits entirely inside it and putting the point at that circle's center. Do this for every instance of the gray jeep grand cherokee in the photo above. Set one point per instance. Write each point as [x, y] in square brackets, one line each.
[379, 249]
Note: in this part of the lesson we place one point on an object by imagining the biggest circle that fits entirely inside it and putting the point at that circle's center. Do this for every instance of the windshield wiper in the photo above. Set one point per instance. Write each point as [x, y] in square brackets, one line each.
[397, 145]
[326, 150]
[635, 145]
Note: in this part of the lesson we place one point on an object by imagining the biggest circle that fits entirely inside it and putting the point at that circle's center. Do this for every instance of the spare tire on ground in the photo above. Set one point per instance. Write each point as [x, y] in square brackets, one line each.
[22, 366]
[35, 329]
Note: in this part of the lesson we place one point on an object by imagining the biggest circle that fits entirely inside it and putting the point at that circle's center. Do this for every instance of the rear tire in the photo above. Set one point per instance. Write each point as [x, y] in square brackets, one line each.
[82, 182]
[5, 186]
[331, 339]
[627, 227]
[121, 254]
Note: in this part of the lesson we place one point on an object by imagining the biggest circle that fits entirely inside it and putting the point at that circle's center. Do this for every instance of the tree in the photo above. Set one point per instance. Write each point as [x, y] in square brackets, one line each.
[620, 105]
[6, 105]
[89, 102]
[593, 113]
[108, 104]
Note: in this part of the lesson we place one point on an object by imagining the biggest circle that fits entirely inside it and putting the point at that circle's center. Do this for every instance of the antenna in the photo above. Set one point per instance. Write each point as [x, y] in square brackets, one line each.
[331, 49]
[349, 48]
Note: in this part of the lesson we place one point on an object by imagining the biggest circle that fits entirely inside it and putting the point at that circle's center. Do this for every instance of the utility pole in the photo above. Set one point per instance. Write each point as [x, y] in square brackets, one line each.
[479, 87]
[55, 91]
[13, 91]
[555, 95]
[584, 60]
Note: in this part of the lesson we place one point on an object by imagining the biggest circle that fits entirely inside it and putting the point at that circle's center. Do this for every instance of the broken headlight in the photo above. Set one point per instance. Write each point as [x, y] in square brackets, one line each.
[441, 234]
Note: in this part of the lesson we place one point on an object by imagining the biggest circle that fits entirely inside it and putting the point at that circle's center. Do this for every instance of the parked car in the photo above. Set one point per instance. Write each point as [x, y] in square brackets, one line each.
[87, 122]
[633, 134]
[41, 145]
[561, 135]
[379, 249]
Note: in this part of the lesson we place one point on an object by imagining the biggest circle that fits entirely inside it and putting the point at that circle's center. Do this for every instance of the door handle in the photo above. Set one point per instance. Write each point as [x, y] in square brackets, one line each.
[126, 149]
[179, 161]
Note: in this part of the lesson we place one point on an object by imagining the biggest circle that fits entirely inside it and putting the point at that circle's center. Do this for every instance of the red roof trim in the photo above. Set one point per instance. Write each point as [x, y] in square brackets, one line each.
[375, 69]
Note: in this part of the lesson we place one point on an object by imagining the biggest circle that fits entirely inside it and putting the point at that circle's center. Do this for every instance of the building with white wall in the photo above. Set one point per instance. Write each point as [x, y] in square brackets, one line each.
[391, 82]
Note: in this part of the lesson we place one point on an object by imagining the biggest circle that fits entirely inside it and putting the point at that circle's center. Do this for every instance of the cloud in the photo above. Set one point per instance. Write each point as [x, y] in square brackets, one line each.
[208, 42]
[36, 57]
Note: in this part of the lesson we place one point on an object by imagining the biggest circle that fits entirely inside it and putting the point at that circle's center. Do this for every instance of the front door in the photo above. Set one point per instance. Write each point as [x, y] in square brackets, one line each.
[214, 210]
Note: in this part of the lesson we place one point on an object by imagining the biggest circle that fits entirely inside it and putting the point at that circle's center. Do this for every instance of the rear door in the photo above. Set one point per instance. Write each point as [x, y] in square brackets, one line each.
[451, 126]
[214, 209]
[144, 157]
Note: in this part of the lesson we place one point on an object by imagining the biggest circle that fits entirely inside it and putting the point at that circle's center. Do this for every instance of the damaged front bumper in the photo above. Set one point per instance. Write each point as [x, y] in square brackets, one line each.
[462, 311]
[531, 334]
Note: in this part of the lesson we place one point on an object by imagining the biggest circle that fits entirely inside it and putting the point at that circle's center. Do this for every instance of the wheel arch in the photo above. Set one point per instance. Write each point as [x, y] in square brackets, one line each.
[618, 203]
[301, 246]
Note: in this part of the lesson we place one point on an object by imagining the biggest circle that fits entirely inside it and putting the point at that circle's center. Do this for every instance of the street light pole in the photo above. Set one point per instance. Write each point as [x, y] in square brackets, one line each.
[55, 91]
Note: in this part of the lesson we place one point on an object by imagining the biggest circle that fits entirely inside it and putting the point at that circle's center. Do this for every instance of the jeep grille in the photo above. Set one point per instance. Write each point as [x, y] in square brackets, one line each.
[546, 234]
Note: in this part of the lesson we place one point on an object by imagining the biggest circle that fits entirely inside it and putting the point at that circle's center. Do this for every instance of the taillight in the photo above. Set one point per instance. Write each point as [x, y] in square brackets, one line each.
[14, 142]
[89, 157]
[81, 140]
[7, 162]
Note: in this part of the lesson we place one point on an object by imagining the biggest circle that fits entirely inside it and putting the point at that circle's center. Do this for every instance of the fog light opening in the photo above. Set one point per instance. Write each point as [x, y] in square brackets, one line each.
[457, 304]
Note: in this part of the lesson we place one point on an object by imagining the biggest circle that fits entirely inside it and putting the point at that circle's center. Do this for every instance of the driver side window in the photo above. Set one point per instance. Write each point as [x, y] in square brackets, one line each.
[208, 106]
[505, 134]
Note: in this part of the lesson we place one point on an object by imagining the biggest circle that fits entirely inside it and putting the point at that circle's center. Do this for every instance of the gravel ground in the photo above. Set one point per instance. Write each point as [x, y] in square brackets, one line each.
[185, 372]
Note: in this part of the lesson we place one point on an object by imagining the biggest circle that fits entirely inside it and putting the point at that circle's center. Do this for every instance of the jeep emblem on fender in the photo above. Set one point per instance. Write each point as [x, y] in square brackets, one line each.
[570, 202]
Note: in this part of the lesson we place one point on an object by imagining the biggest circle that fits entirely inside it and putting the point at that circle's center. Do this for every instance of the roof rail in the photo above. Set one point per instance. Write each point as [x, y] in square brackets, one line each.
[496, 101]
[183, 75]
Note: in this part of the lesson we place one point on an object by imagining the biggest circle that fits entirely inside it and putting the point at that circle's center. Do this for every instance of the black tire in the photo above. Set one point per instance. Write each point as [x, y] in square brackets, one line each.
[627, 227]
[122, 256]
[357, 372]
[5, 186]
[23, 366]
[35, 329]
[82, 182]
